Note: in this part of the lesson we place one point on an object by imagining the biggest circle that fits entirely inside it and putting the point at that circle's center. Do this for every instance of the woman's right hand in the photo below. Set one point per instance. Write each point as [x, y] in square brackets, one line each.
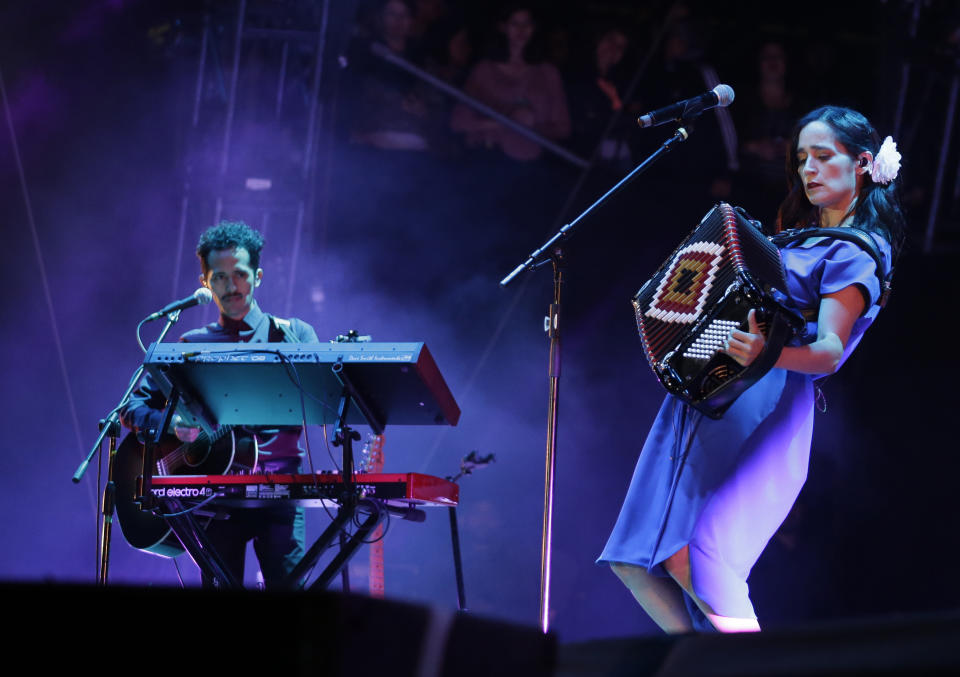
[746, 346]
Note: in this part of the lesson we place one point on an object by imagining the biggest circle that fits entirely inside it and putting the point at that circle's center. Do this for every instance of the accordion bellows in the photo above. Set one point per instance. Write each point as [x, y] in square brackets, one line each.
[706, 288]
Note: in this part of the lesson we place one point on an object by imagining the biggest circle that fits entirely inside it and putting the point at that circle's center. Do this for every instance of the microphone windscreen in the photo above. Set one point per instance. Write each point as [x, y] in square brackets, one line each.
[724, 95]
[203, 295]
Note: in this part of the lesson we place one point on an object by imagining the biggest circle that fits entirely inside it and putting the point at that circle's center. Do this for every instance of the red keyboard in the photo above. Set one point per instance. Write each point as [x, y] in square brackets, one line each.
[402, 489]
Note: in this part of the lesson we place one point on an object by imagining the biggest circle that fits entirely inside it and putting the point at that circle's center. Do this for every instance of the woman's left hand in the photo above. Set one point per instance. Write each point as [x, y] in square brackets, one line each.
[745, 347]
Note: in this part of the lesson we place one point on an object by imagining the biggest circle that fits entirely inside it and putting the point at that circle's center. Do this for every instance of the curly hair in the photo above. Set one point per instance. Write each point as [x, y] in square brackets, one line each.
[227, 235]
[878, 206]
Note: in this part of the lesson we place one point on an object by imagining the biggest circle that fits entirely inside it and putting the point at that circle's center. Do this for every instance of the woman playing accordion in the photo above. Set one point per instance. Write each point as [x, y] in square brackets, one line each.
[707, 495]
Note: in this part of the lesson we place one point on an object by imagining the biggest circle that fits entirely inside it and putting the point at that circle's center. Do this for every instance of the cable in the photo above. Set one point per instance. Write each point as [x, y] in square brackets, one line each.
[303, 413]
[380, 508]
[176, 565]
[290, 369]
[293, 374]
[326, 441]
[191, 508]
[309, 572]
[99, 513]
[377, 508]
[139, 340]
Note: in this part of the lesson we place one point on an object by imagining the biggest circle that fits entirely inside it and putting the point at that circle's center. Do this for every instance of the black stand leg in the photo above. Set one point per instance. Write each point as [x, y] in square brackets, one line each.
[194, 540]
[457, 564]
[345, 572]
[349, 548]
[348, 545]
[108, 504]
[344, 438]
[335, 527]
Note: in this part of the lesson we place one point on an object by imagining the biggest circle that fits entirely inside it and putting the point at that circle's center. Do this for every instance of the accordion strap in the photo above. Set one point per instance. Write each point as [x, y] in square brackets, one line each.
[859, 237]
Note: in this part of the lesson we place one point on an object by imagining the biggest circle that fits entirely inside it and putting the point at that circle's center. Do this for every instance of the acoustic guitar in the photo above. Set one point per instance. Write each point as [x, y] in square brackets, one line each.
[227, 451]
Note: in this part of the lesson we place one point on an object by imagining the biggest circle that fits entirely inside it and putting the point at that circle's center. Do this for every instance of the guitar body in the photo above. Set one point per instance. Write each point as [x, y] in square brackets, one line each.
[223, 454]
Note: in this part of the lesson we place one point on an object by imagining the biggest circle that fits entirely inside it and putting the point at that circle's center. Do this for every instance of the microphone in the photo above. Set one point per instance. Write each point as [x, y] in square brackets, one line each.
[721, 95]
[202, 295]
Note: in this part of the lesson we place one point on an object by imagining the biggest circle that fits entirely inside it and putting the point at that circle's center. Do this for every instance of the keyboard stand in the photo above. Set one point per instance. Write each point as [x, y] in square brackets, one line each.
[192, 536]
[373, 380]
[348, 547]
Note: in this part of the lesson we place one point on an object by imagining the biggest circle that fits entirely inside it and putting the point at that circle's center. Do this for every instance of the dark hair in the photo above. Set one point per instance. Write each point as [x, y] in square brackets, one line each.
[878, 206]
[498, 49]
[381, 7]
[227, 235]
[602, 29]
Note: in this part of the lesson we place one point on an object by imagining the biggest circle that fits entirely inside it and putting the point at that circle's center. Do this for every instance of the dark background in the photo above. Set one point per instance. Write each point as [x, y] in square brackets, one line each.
[410, 247]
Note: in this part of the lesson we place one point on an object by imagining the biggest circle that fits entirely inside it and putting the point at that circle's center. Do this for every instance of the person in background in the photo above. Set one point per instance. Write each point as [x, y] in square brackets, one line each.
[596, 94]
[766, 115]
[683, 68]
[390, 110]
[517, 85]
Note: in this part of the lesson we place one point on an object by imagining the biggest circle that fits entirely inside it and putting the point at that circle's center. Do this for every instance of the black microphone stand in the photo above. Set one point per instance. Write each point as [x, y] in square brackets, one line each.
[110, 426]
[552, 252]
[467, 465]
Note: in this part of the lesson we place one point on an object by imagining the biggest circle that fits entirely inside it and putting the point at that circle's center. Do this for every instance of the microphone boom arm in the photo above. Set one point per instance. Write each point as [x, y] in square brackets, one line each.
[543, 254]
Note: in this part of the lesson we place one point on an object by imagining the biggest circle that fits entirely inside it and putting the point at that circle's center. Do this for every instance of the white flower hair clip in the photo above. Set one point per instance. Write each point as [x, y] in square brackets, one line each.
[886, 164]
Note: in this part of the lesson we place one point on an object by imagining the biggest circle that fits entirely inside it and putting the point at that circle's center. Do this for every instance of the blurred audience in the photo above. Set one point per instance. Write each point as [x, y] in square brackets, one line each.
[596, 90]
[451, 60]
[448, 56]
[681, 70]
[766, 113]
[389, 109]
[517, 84]
[426, 15]
[567, 84]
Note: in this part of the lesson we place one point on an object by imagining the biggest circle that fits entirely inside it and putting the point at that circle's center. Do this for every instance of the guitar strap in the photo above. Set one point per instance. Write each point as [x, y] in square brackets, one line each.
[281, 331]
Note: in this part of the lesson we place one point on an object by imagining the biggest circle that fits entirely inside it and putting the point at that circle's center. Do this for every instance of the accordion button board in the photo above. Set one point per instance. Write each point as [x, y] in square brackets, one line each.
[704, 290]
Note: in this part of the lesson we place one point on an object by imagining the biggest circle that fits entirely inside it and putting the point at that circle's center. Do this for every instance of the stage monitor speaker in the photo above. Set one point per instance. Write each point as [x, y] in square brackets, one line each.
[923, 645]
[905, 645]
[252, 632]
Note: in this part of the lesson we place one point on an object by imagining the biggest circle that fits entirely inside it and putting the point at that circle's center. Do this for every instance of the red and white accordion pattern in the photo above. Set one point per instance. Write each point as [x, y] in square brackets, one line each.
[682, 293]
[706, 288]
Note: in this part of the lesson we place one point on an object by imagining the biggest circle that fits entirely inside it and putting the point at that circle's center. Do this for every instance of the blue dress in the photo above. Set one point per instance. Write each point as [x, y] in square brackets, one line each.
[724, 486]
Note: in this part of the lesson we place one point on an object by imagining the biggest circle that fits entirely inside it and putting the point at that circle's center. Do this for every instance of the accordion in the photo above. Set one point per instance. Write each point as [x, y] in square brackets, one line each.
[707, 287]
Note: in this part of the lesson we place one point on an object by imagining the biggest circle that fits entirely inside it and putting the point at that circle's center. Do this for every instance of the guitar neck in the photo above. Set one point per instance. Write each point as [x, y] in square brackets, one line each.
[376, 547]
